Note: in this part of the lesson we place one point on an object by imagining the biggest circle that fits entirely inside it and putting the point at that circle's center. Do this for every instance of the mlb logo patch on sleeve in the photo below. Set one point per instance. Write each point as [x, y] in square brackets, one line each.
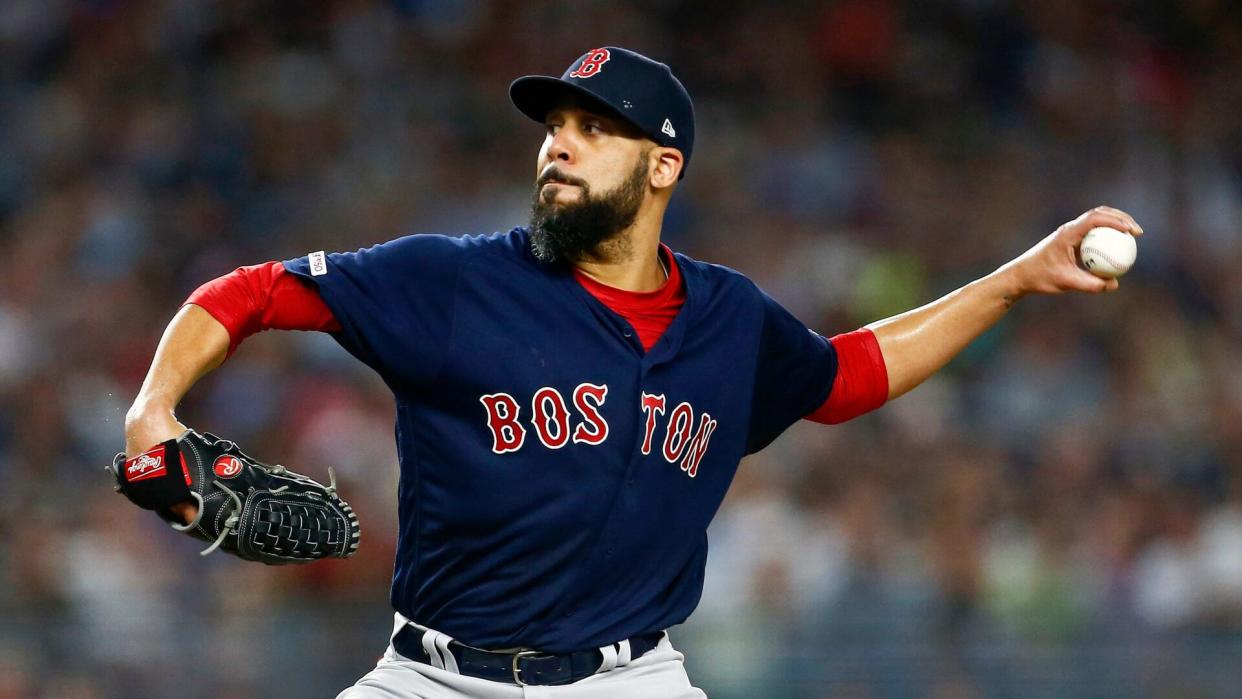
[318, 265]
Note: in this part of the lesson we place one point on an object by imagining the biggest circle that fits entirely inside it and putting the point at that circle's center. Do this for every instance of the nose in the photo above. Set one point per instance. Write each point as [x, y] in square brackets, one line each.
[560, 147]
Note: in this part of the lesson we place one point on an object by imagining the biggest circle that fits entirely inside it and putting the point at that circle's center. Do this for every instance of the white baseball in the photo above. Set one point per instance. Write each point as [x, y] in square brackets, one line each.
[1107, 252]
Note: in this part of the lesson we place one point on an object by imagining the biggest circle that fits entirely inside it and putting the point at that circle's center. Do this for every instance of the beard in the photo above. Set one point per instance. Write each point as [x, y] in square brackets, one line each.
[568, 233]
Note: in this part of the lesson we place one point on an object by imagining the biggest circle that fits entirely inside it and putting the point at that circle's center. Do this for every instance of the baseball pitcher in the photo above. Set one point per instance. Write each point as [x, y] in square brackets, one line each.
[572, 401]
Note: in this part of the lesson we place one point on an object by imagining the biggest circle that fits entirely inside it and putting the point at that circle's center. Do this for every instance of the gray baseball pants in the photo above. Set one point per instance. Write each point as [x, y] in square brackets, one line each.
[659, 674]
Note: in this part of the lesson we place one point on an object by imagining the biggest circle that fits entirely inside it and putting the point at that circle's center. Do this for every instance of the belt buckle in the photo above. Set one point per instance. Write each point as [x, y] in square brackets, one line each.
[517, 671]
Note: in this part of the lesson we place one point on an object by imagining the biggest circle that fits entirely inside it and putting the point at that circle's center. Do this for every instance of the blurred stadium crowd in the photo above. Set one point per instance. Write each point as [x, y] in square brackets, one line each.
[1058, 513]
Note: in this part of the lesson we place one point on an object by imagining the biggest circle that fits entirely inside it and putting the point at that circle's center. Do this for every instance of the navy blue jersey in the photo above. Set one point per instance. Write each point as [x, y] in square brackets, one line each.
[556, 481]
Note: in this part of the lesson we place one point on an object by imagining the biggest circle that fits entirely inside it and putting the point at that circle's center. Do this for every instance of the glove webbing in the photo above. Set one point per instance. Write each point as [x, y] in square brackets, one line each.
[278, 522]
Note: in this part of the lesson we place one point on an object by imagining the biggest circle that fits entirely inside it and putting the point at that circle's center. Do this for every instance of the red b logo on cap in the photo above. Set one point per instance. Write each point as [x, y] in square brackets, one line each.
[592, 64]
[227, 466]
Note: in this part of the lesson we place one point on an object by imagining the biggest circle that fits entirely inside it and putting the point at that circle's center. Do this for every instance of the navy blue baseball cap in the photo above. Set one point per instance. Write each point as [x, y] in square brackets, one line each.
[622, 83]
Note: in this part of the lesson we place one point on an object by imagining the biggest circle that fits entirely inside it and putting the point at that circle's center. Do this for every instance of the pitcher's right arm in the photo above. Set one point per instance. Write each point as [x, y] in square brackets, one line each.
[207, 329]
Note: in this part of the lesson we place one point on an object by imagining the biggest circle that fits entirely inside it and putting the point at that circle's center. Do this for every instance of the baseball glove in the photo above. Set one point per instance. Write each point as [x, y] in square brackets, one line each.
[253, 510]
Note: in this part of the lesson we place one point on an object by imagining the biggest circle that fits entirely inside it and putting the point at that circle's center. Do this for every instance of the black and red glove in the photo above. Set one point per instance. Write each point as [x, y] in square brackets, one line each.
[256, 511]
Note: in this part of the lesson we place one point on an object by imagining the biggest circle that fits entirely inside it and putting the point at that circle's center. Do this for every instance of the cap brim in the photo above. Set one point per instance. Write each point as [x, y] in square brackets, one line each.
[536, 95]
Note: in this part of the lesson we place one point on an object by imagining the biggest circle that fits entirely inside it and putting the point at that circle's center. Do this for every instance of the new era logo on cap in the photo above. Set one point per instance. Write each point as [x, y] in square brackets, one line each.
[620, 83]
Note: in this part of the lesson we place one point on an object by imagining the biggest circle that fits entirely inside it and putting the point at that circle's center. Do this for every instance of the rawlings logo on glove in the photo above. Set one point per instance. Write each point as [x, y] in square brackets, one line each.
[145, 466]
[227, 466]
[267, 513]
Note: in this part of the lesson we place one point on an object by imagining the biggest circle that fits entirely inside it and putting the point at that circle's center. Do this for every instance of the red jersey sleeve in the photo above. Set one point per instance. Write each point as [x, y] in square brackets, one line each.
[861, 384]
[263, 297]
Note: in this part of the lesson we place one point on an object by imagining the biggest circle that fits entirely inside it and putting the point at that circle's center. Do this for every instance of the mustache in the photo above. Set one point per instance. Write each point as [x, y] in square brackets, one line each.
[554, 174]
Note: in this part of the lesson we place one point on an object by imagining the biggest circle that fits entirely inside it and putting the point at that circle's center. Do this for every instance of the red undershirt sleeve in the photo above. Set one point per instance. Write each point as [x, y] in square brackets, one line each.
[861, 384]
[263, 297]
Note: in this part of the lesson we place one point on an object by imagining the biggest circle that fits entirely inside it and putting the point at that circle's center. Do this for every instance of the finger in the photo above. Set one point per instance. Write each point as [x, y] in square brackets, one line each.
[1082, 280]
[1111, 285]
[1131, 226]
[1094, 219]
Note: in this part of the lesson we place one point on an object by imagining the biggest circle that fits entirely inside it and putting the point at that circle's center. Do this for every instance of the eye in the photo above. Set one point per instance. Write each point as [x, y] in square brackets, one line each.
[553, 128]
[594, 127]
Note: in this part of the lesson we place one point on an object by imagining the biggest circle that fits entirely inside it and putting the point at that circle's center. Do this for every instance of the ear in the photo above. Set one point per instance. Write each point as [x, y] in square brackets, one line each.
[666, 164]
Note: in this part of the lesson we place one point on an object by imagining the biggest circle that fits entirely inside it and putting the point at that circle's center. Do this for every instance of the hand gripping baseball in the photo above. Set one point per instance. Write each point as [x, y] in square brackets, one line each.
[1051, 266]
[256, 511]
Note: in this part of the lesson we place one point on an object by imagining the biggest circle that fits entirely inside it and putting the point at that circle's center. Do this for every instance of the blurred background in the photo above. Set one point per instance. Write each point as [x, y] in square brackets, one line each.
[1057, 514]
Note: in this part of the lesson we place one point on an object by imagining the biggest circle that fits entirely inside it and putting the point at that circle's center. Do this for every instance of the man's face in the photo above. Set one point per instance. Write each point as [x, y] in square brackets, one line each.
[591, 180]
